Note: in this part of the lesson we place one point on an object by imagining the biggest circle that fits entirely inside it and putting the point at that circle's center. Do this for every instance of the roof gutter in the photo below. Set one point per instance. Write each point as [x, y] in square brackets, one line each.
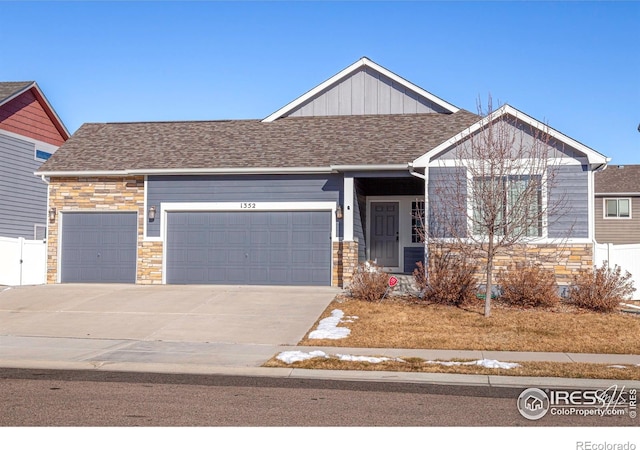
[204, 171]
[364, 167]
[226, 171]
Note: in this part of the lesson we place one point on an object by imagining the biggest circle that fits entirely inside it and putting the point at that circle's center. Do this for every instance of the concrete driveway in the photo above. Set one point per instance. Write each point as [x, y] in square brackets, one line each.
[208, 324]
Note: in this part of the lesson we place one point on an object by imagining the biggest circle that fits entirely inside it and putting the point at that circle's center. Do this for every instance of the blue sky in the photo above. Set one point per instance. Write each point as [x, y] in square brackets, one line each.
[575, 65]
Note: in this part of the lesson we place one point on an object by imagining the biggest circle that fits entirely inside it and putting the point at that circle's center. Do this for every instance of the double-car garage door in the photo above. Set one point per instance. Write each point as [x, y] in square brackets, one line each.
[221, 247]
[254, 247]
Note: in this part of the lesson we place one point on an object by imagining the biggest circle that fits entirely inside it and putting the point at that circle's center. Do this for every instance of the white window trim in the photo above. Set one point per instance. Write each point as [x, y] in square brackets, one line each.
[604, 208]
[529, 239]
[35, 229]
[35, 154]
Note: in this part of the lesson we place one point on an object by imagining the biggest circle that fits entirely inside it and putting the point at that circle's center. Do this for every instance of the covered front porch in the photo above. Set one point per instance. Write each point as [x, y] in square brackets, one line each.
[382, 211]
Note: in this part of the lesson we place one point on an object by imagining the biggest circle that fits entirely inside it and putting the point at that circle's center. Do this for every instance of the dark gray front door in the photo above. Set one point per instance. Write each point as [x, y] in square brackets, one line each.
[99, 247]
[384, 233]
[256, 247]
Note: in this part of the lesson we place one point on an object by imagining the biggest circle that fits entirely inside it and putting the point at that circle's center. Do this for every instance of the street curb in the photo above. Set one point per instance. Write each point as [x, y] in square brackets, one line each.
[336, 375]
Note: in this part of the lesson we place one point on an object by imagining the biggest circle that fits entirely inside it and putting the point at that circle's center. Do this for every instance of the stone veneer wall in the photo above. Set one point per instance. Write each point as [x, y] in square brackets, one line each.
[345, 261]
[103, 194]
[566, 260]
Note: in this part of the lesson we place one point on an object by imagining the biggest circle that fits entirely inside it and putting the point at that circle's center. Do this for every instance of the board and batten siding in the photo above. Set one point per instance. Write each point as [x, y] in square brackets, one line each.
[568, 205]
[366, 92]
[617, 230]
[246, 188]
[523, 138]
[23, 195]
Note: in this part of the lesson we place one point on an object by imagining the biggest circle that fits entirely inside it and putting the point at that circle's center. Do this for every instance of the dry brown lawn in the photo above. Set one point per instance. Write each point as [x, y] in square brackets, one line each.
[405, 323]
[401, 323]
[526, 369]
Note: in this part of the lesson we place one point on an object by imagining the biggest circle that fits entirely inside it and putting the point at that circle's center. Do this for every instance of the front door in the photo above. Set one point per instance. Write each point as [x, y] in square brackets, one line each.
[384, 233]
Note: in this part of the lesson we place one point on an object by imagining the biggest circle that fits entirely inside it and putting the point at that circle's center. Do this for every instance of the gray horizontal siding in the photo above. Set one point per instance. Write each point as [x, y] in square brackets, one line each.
[23, 196]
[614, 230]
[569, 202]
[248, 188]
[447, 202]
[367, 91]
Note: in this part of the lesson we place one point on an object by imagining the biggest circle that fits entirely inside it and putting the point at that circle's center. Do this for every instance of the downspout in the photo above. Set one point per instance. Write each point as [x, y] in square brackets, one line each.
[424, 177]
[46, 247]
[592, 218]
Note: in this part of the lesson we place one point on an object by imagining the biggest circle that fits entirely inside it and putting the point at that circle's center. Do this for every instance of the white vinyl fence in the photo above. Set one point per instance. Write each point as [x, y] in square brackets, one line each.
[22, 261]
[625, 256]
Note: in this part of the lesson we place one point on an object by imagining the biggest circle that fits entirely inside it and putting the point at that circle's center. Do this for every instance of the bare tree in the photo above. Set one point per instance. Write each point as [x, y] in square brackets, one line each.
[489, 193]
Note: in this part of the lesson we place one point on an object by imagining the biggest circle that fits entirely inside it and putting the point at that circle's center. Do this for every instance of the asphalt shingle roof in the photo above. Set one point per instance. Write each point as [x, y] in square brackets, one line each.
[618, 179]
[284, 143]
[8, 88]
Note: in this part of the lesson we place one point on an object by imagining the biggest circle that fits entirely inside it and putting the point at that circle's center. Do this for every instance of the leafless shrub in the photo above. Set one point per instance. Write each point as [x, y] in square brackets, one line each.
[601, 289]
[528, 285]
[451, 280]
[369, 282]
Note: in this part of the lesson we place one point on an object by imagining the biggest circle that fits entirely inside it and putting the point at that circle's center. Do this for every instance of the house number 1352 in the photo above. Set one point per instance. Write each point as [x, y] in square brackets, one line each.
[247, 206]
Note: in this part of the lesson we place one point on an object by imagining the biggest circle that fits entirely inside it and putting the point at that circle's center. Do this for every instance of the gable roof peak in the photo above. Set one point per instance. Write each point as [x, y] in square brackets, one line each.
[348, 71]
[12, 89]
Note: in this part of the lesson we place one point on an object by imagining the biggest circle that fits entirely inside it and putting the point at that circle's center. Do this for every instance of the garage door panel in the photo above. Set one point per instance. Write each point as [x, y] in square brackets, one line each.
[259, 237]
[197, 256]
[300, 237]
[237, 256]
[278, 237]
[98, 247]
[237, 237]
[259, 220]
[300, 257]
[252, 247]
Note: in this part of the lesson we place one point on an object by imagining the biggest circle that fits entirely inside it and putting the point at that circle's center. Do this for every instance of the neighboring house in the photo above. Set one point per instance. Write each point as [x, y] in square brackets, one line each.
[333, 178]
[30, 132]
[617, 207]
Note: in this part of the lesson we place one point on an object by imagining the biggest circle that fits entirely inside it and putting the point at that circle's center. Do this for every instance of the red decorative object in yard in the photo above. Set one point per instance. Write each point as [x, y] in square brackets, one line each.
[392, 281]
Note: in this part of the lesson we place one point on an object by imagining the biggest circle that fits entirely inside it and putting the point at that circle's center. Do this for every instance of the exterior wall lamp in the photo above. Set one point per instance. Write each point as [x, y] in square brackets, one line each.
[339, 214]
[52, 214]
[152, 214]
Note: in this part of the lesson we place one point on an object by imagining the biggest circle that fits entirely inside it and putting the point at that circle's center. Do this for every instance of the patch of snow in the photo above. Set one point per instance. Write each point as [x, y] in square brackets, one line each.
[328, 328]
[629, 305]
[369, 359]
[617, 366]
[295, 356]
[488, 363]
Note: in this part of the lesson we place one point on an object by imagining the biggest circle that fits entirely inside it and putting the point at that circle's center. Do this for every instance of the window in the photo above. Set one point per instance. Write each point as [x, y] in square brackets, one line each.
[510, 202]
[39, 232]
[42, 155]
[417, 221]
[617, 208]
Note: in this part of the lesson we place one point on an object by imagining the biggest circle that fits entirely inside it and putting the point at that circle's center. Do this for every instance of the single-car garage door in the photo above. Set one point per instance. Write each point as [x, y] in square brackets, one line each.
[99, 247]
[256, 247]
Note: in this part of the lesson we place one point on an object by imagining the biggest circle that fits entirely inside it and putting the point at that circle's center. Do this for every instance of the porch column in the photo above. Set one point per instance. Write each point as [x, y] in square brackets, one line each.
[348, 208]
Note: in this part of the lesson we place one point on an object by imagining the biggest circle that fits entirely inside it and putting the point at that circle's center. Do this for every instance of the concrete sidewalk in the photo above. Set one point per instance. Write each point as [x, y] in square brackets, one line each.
[247, 359]
[231, 330]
